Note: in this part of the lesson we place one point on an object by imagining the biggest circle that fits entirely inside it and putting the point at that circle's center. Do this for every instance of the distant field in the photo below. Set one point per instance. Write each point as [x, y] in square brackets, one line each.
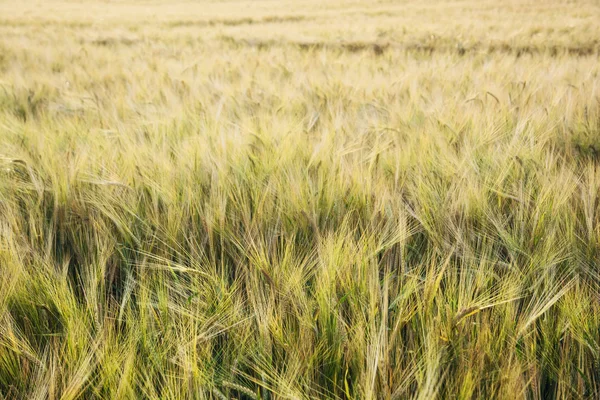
[299, 199]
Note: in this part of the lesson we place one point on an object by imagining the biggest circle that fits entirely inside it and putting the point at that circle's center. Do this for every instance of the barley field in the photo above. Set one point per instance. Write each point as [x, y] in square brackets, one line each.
[262, 199]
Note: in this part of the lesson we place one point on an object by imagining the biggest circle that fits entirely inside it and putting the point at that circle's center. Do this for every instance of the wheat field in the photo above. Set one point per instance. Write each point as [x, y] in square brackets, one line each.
[299, 199]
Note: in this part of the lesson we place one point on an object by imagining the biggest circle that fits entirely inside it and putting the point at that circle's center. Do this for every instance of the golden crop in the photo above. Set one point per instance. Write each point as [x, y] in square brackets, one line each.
[299, 199]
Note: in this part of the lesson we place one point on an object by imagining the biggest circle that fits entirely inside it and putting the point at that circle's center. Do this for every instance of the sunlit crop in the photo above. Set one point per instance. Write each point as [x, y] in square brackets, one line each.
[299, 199]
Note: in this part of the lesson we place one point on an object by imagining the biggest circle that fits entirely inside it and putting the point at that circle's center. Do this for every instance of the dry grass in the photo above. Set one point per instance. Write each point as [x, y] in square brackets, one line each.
[299, 200]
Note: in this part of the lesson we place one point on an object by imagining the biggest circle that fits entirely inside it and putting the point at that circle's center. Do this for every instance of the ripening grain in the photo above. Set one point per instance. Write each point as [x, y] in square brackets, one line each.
[297, 200]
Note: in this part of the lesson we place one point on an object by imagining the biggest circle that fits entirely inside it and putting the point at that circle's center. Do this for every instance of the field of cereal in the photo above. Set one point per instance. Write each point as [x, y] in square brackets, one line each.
[299, 199]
